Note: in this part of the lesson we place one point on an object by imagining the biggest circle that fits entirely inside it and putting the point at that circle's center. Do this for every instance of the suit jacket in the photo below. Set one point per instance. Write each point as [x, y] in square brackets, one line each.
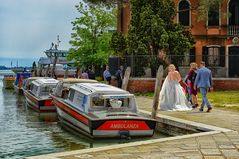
[203, 78]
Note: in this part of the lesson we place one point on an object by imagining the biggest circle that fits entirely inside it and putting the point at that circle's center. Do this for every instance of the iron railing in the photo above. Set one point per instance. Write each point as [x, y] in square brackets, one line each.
[146, 65]
[233, 30]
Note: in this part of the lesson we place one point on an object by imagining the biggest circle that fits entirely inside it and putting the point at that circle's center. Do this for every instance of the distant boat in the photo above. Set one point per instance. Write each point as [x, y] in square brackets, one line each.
[8, 80]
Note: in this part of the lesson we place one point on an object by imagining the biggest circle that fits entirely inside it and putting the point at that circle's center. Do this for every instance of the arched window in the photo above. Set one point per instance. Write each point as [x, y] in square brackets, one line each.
[184, 13]
[213, 16]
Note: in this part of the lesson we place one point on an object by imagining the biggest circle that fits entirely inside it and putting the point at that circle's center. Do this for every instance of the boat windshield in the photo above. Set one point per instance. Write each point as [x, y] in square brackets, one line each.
[114, 103]
[46, 90]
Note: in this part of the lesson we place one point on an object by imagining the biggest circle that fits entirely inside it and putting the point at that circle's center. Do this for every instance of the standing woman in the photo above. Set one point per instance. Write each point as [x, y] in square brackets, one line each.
[172, 97]
[191, 78]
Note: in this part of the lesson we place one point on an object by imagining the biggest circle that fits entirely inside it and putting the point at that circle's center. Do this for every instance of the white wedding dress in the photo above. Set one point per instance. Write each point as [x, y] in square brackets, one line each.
[172, 97]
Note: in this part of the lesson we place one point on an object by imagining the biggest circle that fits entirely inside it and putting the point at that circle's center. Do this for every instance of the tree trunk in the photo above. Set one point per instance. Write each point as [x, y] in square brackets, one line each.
[157, 88]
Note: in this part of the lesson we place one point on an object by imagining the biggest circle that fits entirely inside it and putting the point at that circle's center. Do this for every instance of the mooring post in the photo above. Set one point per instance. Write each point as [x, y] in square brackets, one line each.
[158, 83]
[126, 78]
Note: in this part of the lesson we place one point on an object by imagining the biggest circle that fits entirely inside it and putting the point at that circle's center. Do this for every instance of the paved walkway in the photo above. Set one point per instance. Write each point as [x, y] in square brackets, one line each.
[218, 145]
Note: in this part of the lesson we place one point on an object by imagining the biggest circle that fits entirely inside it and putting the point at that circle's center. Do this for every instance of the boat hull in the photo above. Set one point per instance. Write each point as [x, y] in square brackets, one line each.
[18, 90]
[39, 105]
[115, 127]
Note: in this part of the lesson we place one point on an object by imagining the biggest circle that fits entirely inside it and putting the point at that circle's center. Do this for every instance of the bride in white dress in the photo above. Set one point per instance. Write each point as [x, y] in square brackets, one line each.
[172, 97]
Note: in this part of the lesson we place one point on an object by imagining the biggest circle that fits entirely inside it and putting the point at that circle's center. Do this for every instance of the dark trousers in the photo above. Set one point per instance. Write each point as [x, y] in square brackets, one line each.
[119, 83]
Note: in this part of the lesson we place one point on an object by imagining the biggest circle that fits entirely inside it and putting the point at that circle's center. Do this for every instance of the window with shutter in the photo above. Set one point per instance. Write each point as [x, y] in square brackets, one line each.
[205, 55]
[212, 55]
[192, 55]
[222, 56]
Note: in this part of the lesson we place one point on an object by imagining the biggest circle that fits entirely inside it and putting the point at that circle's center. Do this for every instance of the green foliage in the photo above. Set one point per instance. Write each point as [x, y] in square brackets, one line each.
[118, 43]
[204, 7]
[91, 35]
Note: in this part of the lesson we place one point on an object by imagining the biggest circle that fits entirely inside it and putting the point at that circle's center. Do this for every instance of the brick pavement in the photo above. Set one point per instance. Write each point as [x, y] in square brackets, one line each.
[220, 145]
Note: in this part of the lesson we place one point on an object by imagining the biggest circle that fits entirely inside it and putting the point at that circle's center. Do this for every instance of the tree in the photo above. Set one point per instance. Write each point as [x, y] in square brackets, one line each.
[153, 29]
[118, 44]
[92, 34]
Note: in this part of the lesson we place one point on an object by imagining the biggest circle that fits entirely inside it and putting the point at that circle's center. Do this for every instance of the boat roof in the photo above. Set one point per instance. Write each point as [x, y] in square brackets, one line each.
[77, 80]
[45, 81]
[91, 88]
[35, 78]
[7, 72]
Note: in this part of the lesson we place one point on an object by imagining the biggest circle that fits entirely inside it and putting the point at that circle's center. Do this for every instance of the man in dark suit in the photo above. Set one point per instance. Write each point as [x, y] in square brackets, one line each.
[203, 81]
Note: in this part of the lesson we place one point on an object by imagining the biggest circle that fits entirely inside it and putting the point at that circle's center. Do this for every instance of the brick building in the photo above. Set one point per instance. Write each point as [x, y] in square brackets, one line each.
[217, 41]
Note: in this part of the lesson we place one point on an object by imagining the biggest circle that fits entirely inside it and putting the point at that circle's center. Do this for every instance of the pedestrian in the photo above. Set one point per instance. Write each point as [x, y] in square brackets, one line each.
[204, 82]
[84, 75]
[91, 73]
[191, 80]
[119, 76]
[107, 75]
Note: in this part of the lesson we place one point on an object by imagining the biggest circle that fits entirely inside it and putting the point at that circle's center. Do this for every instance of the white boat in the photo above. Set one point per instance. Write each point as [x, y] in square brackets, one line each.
[37, 96]
[101, 111]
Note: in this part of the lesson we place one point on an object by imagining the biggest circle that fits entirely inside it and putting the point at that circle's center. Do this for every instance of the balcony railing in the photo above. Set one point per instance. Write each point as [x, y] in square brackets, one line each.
[233, 30]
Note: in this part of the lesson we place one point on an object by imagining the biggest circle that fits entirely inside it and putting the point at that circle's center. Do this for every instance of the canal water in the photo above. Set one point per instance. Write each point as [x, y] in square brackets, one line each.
[24, 132]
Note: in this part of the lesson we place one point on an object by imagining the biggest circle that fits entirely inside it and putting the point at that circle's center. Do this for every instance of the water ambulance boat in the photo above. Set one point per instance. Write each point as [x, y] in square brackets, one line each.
[37, 96]
[99, 110]
[20, 79]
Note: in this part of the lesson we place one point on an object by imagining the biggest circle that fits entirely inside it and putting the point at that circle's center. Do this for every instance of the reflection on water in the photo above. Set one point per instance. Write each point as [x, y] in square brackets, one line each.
[24, 132]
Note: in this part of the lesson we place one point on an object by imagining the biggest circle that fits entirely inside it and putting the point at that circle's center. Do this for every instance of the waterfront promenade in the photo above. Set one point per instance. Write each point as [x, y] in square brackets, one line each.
[209, 145]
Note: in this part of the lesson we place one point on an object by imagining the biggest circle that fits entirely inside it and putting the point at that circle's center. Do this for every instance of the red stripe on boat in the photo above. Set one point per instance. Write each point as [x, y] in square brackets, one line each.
[72, 112]
[48, 103]
[124, 125]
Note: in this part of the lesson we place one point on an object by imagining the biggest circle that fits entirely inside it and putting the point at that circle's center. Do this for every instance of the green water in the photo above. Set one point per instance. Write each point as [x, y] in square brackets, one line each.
[24, 132]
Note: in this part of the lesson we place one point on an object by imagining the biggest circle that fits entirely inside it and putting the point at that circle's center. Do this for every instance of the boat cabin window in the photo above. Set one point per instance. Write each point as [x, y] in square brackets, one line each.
[71, 95]
[77, 99]
[46, 90]
[34, 89]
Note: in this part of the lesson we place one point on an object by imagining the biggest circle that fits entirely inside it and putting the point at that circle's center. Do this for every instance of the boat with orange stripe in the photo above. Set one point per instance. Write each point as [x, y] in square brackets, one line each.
[37, 96]
[101, 111]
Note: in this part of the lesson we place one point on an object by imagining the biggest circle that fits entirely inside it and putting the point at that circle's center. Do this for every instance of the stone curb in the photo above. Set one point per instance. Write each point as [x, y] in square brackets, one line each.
[211, 131]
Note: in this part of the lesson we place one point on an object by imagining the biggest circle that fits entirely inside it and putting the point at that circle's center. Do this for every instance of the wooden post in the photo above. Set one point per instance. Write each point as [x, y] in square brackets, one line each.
[126, 78]
[158, 83]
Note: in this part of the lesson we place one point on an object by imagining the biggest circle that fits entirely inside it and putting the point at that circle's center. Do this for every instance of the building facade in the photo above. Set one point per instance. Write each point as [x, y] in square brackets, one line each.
[217, 37]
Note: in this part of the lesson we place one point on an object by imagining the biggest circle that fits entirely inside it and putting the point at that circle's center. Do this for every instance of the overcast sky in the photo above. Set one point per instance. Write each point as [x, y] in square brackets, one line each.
[27, 27]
